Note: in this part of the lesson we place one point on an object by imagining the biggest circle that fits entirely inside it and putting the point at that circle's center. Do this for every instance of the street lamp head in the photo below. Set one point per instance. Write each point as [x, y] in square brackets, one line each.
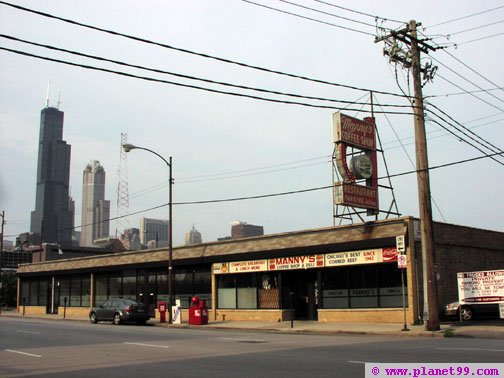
[128, 147]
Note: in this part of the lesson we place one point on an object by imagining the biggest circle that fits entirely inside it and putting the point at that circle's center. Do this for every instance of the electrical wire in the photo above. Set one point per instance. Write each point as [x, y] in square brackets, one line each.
[102, 59]
[466, 79]
[493, 149]
[478, 39]
[120, 73]
[186, 51]
[475, 28]
[469, 93]
[358, 12]
[465, 17]
[307, 18]
[327, 13]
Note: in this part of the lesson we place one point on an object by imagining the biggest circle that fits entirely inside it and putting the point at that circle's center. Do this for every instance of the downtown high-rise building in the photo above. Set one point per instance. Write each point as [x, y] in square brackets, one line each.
[52, 221]
[95, 209]
[155, 230]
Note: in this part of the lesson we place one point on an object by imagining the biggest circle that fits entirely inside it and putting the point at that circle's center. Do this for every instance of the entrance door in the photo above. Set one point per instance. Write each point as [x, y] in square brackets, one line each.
[299, 289]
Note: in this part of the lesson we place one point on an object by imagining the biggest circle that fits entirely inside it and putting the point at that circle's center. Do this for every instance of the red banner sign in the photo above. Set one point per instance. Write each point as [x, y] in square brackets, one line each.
[356, 195]
[354, 132]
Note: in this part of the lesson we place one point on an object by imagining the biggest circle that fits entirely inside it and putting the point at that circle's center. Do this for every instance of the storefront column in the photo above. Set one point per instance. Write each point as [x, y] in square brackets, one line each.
[91, 291]
[18, 294]
[214, 295]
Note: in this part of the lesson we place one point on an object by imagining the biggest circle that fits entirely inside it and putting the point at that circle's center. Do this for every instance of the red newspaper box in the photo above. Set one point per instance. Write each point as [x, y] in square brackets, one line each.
[198, 312]
[162, 312]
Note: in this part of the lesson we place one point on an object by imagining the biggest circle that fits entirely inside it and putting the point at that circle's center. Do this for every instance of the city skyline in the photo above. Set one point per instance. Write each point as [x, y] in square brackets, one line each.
[265, 158]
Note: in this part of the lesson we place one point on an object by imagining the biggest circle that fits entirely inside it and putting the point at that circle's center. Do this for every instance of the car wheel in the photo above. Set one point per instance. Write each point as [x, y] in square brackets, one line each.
[92, 318]
[141, 322]
[467, 313]
[117, 319]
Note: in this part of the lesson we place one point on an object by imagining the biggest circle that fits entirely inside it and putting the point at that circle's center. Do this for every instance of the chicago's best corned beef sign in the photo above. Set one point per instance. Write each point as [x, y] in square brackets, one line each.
[359, 164]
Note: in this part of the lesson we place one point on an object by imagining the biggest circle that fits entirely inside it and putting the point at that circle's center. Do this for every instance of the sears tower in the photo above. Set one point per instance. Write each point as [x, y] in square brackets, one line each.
[53, 218]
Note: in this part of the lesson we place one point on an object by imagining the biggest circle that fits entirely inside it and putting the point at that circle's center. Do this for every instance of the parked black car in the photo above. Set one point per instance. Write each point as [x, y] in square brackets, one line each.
[470, 311]
[119, 310]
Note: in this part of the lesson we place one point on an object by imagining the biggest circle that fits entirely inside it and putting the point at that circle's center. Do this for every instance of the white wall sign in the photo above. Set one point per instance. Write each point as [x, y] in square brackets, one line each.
[481, 287]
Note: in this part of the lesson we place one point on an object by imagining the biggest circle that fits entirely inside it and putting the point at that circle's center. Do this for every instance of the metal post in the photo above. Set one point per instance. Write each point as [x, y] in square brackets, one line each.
[170, 246]
[64, 307]
[128, 147]
[291, 295]
[1, 250]
[405, 326]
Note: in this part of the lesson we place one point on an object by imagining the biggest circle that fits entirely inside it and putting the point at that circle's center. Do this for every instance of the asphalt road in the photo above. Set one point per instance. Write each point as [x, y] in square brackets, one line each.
[47, 348]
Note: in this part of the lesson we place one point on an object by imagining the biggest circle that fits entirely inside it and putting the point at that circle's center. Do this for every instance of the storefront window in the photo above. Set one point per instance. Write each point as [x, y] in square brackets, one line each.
[64, 289]
[269, 292]
[25, 292]
[129, 284]
[115, 285]
[363, 282]
[335, 288]
[42, 293]
[75, 294]
[100, 288]
[226, 293]
[373, 286]
[246, 285]
[86, 291]
[32, 299]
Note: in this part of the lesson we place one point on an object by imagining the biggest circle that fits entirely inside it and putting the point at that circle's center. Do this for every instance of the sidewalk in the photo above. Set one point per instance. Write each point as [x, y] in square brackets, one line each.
[476, 329]
[488, 328]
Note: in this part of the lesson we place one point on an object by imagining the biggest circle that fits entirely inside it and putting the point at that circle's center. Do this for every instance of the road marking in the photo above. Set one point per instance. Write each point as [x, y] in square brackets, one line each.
[478, 349]
[252, 341]
[30, 332]
[24, 353]
[149, 345]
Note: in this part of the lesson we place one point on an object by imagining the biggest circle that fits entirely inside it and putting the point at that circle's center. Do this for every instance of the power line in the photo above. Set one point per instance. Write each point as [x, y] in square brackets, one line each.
[326, 13]
[478, 39]
[186, 51]
[121, 63]
[308, 18]
[497, 149]
[471, 94]
[465, 92]
[120, 73]
[475, 28]
[469, 81]
[465, 17]
[361, 13]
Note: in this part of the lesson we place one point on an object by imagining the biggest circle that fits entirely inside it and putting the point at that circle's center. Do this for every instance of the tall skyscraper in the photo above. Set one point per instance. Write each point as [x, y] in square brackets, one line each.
[244, 230]
[193, 237]
[95, 209]
[52, 220]
[155, 230]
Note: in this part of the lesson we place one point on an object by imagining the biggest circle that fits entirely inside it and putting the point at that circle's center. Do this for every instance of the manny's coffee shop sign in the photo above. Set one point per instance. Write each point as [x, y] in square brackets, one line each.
[368, 256]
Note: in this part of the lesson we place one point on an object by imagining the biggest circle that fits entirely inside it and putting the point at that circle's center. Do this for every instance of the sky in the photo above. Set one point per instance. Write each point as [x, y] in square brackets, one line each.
[231, 147]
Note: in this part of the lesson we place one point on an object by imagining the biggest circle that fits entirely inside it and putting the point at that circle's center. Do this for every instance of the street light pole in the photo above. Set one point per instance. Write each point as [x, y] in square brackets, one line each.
[127, 148]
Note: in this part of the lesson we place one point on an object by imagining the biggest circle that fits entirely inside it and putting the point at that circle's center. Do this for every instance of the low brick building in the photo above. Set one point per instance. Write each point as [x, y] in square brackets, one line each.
[334, 274]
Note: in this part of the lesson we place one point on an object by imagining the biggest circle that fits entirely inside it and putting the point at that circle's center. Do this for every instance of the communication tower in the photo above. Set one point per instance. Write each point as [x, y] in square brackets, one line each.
[122, 190]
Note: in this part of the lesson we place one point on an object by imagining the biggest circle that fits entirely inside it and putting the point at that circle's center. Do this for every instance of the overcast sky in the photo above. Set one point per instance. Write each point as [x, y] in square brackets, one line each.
[226, 147]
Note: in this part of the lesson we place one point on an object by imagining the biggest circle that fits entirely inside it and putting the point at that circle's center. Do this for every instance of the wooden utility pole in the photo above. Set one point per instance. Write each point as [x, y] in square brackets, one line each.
[403, 46]
[424, 196]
